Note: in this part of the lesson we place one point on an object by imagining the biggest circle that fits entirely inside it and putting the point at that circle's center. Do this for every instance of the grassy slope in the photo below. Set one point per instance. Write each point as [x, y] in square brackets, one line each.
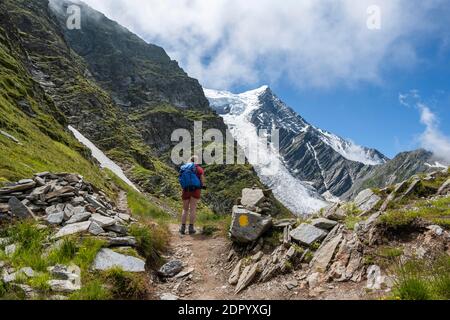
[44, 144]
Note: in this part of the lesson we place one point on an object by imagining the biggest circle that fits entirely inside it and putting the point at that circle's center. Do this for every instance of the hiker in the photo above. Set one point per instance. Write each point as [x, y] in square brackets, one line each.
[192, 180]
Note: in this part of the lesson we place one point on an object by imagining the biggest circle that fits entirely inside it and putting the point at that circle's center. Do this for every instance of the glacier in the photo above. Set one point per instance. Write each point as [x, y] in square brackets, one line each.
[104, 161]
[296, 195]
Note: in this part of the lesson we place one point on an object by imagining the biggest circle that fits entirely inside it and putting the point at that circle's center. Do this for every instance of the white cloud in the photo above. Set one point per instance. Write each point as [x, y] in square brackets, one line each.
[309, 43]
[432, 138]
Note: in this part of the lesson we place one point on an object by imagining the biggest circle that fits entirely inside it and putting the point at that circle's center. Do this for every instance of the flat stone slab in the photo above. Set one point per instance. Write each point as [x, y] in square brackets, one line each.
[323, 256]
[19, 210]
[107, 259]
[307, 234]
[252, 198]
[122, 241]
[103, 221]
[72, 229]
[168, 297]
[79, 217]
[366, 200]
[325, 224]
[63, 286]
[23, 185]
[246, 278]
[283, 223]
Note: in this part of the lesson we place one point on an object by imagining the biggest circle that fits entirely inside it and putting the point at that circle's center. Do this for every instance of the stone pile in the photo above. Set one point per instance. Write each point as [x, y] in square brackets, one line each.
[250, 219]
[322, 247]
[68, 203]
[69, 206]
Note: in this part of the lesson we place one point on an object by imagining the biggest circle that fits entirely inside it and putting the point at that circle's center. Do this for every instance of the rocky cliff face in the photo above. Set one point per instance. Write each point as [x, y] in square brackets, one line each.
[143, 74]
[124, 95]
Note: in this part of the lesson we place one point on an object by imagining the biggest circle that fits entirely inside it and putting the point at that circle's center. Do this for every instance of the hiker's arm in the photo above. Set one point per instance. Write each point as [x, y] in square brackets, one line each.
[203, 180]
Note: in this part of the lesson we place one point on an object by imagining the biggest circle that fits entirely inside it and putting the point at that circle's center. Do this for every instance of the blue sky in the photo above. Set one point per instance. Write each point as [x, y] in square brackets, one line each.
[318, 56]
[371, 114]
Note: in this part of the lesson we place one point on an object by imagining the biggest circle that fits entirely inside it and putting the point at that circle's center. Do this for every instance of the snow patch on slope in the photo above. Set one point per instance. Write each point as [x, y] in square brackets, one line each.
[350, 150]
[105, 162]
[296, 195]
[437, 165]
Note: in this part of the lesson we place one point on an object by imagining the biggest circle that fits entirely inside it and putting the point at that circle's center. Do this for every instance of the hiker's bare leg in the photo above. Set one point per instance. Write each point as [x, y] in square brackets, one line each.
[193, 210]
[184, 216]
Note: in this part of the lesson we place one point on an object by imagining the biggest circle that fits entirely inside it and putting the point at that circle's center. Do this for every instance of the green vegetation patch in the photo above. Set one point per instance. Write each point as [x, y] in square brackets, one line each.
[423, 280]
[433, 211]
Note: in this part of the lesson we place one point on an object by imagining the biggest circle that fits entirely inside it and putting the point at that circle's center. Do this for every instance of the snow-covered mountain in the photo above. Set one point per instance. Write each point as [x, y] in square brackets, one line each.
[314, 164]
[237, 111]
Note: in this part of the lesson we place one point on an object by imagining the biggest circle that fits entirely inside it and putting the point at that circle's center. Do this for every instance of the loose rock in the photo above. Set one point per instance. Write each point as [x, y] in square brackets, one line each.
[367, 200]
[107, 259]
[19, 210]
[246, 278]
[307, 234]
[72, 229]
[323, 223]
[171, 268]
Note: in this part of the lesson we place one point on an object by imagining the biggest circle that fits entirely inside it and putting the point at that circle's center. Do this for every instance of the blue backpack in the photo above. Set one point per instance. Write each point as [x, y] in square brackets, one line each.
[188, 177]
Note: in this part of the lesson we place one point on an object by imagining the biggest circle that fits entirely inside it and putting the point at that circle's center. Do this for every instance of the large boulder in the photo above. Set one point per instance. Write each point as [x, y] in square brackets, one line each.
[247, 226]
[107, 259]
[307, 234]
[252, 198]
[367, 200]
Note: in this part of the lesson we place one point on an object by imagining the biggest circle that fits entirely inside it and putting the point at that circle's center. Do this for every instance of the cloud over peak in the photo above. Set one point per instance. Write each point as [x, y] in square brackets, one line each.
[432, 139]
[309, 43]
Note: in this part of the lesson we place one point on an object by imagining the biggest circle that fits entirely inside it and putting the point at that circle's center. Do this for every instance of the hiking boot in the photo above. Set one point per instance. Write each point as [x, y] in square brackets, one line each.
[183, 229]
[192, 229]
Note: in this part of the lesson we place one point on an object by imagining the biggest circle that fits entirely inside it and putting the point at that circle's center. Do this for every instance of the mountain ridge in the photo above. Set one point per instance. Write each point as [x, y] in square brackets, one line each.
[335, 167]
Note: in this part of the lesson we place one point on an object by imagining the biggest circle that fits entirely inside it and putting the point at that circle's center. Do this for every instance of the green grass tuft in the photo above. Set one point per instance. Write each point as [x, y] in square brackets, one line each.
[421, 279]
[125, 285]
[93, 290]
[29, 241]
[87, 252]
[152, 239]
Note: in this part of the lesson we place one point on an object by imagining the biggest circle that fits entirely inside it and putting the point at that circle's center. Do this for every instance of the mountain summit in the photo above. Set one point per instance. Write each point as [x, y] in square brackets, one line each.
[315, 163]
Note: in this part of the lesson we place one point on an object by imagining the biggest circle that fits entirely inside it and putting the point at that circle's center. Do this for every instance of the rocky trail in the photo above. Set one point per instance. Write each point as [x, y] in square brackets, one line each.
[207, 267]
[267, 258]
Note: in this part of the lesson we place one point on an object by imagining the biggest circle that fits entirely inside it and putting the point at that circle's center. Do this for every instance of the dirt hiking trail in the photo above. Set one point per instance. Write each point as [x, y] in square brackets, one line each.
[207, 258]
